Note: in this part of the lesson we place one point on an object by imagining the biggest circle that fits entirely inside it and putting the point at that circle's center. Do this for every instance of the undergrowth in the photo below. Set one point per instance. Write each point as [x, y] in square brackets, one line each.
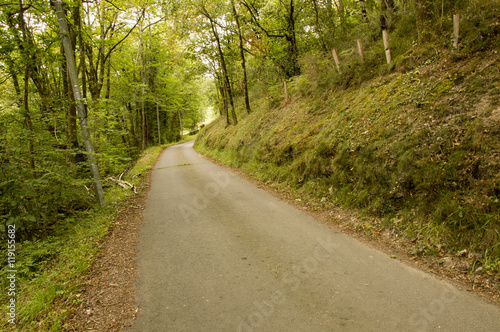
[48, 269]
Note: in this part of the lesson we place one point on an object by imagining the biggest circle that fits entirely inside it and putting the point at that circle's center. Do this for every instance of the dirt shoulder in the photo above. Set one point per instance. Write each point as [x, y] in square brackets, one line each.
[107, 297]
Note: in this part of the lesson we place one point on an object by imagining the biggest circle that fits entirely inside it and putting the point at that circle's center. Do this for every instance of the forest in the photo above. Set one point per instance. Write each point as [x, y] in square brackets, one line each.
[152, 71]
[140, 84]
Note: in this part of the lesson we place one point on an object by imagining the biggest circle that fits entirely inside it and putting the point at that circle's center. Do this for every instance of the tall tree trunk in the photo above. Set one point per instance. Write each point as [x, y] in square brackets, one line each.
[73, 74]
[26, 111]
[83, 63]
[133, 131]
[107, 96]
[242, 55]
[27, 118]
[108, 79]
[71, 124]
[143, 83]
[290, 36]
[221, 97]
[225, 107]
[227, 83]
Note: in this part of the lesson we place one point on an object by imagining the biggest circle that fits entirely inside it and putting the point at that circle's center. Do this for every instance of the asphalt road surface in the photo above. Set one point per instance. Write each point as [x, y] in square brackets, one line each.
[217, 253]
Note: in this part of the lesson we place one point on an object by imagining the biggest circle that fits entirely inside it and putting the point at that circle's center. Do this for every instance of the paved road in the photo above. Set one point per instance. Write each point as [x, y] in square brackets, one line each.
[216, 253]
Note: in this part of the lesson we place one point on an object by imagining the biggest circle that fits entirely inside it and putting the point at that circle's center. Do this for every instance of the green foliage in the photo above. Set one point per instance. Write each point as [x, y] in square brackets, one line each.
[35, 199]
[48, 269]
[44, 176]
[479, 23]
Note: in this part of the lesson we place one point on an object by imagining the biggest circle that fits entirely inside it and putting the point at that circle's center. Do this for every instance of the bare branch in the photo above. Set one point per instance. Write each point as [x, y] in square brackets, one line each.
[256, 21]
[125, 37]
[112, 4]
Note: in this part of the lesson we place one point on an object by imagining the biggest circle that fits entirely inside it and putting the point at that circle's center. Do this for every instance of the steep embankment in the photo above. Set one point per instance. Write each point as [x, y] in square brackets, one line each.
[418, 149]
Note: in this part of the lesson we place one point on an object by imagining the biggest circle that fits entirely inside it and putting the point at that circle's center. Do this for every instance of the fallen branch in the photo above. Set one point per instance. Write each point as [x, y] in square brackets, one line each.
[90, 193]
[123, 184]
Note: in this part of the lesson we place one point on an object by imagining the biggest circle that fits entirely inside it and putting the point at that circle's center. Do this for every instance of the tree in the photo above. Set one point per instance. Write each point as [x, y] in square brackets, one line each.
[285, 30]
[109, 24]
[73, 75]
[386, 8]
[242, 54]
[425, 18]
[40, 180]
[225, 75]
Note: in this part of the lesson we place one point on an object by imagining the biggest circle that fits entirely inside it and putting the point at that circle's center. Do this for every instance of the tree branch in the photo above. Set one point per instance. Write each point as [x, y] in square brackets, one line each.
[256, 21]
[128, 33]
[112, 4]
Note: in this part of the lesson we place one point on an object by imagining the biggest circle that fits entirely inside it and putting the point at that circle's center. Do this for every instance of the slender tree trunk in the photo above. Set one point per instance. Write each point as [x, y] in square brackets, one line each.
[70, 59]
[83, 63]
[133, 131]
[27, 118]
[26, 111]
[15, 80]
[227, 83]
[107, 96]
[319, 29]
[243, 62]
[143, 122]
[101, 58]
[108, 78]
[143, 83]
[180, 125]
[71, 123]
[225, 107]
[290, 36]
[158, 124]
[221, 97]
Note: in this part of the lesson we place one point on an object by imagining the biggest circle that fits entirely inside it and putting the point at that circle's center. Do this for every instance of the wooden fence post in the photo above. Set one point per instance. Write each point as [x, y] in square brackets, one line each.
[360, 50]
[158, 122]
[386, 46]
[456, 29]
[285, 86]
[336, 58]
[180, 123]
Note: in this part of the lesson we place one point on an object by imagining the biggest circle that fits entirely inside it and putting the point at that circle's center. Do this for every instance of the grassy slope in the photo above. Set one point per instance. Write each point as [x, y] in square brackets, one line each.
[419, 149]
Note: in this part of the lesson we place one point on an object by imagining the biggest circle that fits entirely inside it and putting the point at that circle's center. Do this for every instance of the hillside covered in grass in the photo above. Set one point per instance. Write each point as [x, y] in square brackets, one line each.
[417, 146]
